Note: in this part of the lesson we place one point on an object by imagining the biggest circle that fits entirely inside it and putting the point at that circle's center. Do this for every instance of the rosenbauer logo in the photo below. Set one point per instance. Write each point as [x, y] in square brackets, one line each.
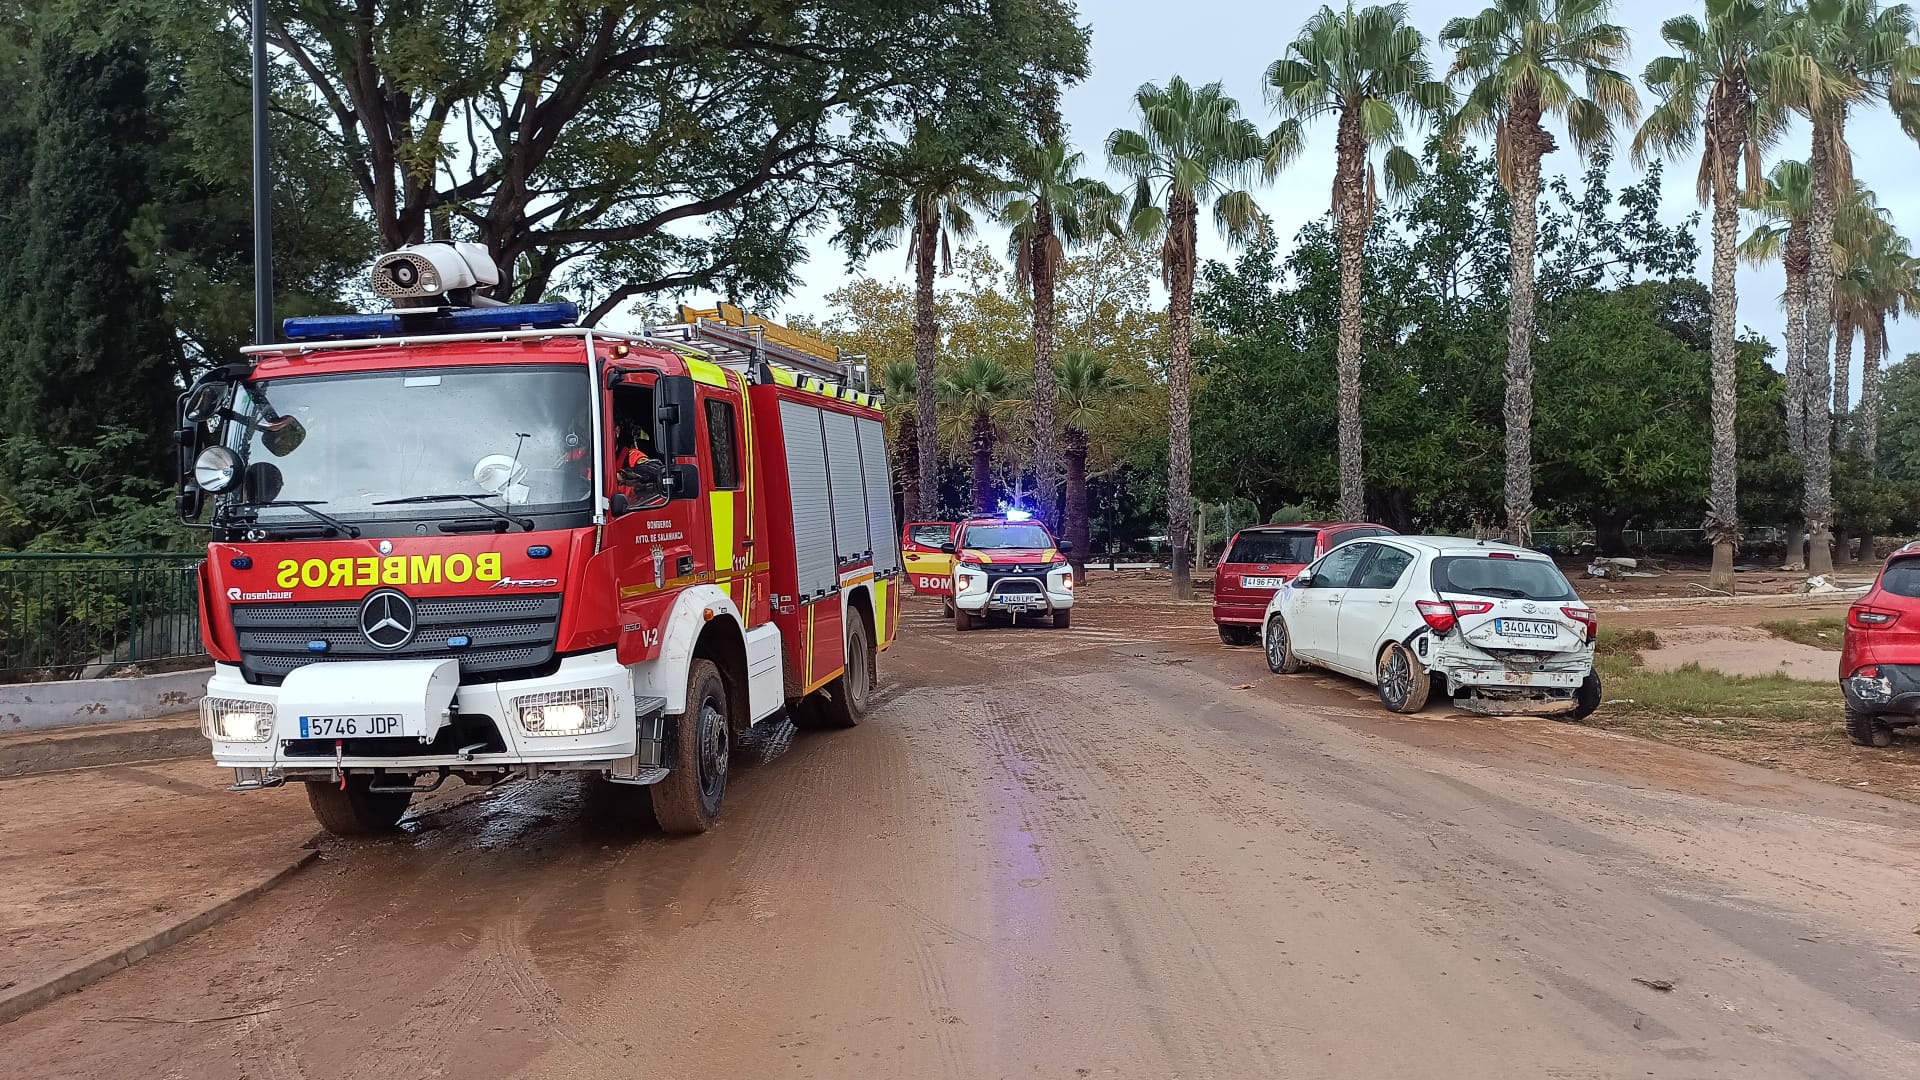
[239, 595]
[392, 571]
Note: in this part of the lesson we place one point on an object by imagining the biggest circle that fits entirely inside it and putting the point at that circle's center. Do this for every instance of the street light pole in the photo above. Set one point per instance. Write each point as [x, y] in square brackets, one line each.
[262, 186]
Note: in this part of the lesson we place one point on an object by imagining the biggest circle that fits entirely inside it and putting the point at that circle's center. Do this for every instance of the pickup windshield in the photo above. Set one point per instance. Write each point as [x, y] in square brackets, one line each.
[1023, 536]
[370, 446]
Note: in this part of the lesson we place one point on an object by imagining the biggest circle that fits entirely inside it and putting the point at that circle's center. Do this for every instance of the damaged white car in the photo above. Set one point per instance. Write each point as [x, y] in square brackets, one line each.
[1496, 628]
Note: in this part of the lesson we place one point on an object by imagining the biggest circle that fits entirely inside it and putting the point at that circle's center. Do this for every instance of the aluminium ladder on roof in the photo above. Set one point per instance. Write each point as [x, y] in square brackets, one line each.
[741, 347]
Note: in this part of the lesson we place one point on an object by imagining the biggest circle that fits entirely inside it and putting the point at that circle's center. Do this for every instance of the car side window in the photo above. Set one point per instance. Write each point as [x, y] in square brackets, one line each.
[1336, 570]
[1389, 565]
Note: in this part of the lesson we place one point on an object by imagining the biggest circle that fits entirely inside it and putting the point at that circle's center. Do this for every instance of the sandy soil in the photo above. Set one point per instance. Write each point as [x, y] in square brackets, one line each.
[1120, 850]
[1740, 650]
[94, 859]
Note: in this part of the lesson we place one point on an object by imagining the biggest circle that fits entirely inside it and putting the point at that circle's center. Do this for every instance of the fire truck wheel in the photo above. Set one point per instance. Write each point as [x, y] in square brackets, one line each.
[962, 620]
[844, 704]
[353, 810]
[688, 800]
[1063, 618]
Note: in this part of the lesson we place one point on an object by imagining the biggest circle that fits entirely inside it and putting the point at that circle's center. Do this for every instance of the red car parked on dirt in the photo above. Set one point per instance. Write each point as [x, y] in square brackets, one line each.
[1261, 559]
[1880, 653]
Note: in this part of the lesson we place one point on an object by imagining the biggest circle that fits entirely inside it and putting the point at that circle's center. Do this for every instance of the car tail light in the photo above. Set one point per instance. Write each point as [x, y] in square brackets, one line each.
[1585, 617]
[1866, 618]
[1870, 671]
[1442, 615]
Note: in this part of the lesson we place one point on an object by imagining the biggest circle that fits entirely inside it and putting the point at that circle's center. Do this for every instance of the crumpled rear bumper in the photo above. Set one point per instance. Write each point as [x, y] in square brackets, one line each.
[1895, 692]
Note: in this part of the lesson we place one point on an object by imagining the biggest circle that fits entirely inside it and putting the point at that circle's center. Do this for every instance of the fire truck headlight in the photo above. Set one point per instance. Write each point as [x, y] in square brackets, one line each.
[1063, 580]
[971, 580]
[566, 712]
[216, 469]
[236, 720]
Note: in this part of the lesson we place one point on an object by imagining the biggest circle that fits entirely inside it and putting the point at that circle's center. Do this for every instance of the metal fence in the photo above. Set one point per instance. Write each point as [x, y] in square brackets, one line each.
[78, 616]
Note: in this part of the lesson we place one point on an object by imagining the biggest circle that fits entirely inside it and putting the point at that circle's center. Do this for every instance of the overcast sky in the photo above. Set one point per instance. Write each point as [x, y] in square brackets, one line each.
[1233, 41]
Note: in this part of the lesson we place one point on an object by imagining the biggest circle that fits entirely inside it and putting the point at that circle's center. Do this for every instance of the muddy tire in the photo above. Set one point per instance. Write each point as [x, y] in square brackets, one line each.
[354, 810]
[1237, 636]
[1404, 682]
[1866, 729]
[1063, 619]
[843, 704]
[1587, 698]
[688, 800]
[1281, 659]
[962, 620]
[946, 609]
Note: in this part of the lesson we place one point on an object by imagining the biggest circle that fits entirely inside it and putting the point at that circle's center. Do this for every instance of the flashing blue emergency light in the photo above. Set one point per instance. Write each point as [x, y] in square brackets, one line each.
[1017, 514]
[459, 320]
[512, 316]
[316, 327]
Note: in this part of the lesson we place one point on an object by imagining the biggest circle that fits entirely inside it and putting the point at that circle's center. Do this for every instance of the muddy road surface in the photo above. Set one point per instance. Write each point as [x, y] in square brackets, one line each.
[1115, 851]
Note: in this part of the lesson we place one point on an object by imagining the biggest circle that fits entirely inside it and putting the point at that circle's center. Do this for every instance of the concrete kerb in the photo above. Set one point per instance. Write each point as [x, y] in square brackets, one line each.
[48, 706]
[18, 1002]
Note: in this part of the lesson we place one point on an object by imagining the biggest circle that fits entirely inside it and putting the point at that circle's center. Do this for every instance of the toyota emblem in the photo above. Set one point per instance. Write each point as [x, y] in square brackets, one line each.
[1528, 608]
[387, 620]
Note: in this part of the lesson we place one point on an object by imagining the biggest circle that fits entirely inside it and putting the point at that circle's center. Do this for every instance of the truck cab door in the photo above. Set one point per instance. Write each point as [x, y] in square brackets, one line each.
[656, 549]
[730, 512]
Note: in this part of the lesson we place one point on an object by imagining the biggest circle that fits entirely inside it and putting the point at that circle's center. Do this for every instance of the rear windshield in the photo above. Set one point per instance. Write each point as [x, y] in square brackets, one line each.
[1272, 547]
[1512, 579]
[1007, 536]
[1902, 578]
[930, 535]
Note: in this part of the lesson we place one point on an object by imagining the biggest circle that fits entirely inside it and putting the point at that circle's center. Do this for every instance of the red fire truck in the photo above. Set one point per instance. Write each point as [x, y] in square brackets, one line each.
[466, 540]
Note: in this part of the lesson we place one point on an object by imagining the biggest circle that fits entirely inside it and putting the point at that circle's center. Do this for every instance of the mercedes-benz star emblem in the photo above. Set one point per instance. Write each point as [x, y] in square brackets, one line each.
[387, 620]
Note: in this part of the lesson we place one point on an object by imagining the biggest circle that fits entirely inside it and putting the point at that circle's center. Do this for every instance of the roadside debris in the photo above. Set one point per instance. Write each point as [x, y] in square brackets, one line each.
[1665, 986]
[1818, 583]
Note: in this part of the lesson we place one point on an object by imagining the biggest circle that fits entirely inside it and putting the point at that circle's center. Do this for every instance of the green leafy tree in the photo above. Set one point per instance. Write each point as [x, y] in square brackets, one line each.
[981, 393]
[1192, 148]
[1368, 71]
[1520, 61]
[899, 382]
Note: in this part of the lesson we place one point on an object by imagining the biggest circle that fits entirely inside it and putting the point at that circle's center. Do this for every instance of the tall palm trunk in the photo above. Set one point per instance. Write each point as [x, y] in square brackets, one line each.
[906, 464]
[1723, 504]
[983, 500]
[1046, 468]
[1795, 260]
[1527, 143]
[1351, 211]
[1866, 427]
[1817, 498]
[1073, 447]
[1183, 234]
[926, 334]
[1844, 332]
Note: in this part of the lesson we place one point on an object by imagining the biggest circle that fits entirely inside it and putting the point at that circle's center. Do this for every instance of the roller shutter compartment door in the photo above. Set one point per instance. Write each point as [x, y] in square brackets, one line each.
[812, 507]
[881, 532]
[849, 493]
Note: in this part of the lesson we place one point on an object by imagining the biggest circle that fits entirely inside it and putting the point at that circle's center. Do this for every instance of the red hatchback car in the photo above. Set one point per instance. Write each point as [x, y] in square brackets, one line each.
[1880, 652]
[1261, 559]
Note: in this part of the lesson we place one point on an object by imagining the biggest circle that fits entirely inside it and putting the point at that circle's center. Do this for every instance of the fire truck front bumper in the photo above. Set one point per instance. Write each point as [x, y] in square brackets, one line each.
[402, 716]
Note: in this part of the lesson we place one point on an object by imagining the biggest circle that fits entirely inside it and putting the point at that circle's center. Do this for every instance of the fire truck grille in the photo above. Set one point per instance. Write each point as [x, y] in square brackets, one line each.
[503, 637]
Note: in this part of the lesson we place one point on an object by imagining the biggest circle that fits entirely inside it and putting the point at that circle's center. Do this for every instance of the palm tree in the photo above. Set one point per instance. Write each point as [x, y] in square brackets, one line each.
[980, 393]
[1861, 232]
[1364, 70]
[899, 385]
[1519, 60]
[941, 193]
[1090, 390]
[1050, 206]
[1706, 91]
[1192, 148]
[1833, 55]
[1895, 274]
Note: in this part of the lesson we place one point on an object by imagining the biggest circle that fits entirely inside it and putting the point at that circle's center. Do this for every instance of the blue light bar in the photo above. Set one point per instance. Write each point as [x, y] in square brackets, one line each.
[541, 316]
[313, 327]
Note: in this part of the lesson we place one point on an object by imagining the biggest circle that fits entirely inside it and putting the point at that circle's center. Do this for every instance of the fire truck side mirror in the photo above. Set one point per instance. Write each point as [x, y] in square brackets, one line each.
[678, 424]
[188, 438]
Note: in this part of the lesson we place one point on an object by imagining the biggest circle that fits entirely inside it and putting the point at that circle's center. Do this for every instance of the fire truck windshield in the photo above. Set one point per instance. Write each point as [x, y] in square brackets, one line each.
[1022, 535]
[364, 445]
